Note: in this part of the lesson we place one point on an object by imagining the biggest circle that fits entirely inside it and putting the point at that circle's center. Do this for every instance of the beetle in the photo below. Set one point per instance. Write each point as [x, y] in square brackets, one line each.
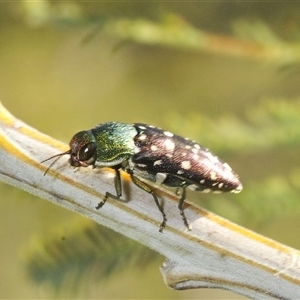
[151, 153]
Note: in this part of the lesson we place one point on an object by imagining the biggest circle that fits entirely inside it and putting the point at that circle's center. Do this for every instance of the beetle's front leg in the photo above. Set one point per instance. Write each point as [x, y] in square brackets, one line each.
[118, 187]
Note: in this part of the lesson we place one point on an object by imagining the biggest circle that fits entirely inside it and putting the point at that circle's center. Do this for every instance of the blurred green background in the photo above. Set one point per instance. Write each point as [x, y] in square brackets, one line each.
[62, 71]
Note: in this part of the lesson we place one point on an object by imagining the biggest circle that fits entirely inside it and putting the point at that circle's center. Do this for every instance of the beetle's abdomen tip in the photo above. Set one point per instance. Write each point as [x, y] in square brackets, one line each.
[238, 188]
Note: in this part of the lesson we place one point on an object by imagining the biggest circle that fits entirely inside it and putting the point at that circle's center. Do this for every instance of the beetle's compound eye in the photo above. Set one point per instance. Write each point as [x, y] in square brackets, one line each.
[86, 151]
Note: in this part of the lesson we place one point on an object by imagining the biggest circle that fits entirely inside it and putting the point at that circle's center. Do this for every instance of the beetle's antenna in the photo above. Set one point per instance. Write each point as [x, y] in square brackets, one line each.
[58, 156]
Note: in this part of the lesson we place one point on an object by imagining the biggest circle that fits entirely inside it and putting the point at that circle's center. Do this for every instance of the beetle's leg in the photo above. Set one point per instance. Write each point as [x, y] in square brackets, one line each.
[147, 189]
[180, 207]
[118, 187]
[177, 192]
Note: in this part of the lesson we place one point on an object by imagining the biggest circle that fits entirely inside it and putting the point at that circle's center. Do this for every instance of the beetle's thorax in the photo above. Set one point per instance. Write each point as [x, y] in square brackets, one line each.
[115, 143]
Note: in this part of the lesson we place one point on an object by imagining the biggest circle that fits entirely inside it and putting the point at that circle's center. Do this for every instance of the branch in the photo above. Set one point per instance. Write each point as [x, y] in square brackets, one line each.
[256, 40]
[177, 33]
[216, 253]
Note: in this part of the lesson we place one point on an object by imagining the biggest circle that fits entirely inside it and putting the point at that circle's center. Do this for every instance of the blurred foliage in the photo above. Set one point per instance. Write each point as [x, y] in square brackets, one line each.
[264, 129]
[83, 249]
[158, 24]
[271, 123]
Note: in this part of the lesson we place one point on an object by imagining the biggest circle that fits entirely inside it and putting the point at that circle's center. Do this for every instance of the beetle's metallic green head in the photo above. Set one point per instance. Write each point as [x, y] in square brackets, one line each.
[106, 145]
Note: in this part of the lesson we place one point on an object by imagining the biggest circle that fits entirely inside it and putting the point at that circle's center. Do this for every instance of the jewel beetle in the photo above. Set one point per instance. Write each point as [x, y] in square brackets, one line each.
[151, 153]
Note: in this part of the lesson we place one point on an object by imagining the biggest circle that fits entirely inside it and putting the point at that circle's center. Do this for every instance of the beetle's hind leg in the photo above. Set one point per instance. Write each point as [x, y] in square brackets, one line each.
[180, 206]
[147, 189]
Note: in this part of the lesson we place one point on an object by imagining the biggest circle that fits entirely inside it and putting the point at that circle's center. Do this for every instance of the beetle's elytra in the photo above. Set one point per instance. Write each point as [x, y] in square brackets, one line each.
[148, 152]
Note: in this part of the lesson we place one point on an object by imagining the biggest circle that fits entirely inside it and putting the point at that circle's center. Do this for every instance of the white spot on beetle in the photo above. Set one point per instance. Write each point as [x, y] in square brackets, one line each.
[154, 148]
[167, 133]
[215, 159]
[227, 173]
[195, 157]
[202, 181]
[169, 155]
[142, 127]
[169, 144]
[186, 165]
[142, 137]
[137, 150]
[220, 185]
[187, 147]
[213, 175]
[158, 162]
[212, 158]
[197, 146]
[183, 154]
[180, 172]
[141, 165]
[237, 190]
[195, 151]
[226, 166]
